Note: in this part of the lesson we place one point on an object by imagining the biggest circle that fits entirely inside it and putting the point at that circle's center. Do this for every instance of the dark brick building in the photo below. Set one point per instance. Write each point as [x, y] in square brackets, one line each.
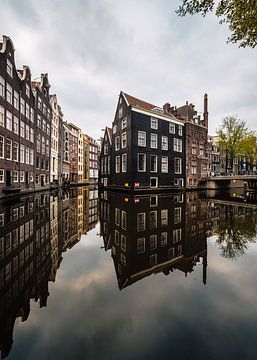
[17, 126]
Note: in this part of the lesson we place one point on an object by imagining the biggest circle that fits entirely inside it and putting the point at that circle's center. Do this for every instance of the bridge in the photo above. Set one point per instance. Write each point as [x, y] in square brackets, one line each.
[249, 182]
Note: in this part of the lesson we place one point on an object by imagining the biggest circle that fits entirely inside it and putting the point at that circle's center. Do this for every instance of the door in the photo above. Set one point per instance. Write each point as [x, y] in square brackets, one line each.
[8, 178]
[26, 178]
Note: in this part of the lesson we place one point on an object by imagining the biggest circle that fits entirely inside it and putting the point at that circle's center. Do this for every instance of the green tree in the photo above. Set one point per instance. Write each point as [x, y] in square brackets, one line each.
[248, 147]
[231, 133]
[241, 17]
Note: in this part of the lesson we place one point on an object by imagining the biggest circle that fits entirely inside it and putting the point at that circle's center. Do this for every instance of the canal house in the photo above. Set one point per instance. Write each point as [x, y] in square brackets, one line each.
[146, 148]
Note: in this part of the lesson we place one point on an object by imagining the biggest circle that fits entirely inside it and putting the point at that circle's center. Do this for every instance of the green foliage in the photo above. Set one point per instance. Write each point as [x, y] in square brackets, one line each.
[235, 231]
[248, 147]
[231, 134]
[241, 17]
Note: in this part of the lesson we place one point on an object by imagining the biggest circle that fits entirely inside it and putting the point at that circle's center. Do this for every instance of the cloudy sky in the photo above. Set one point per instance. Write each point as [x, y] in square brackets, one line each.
[92, 49]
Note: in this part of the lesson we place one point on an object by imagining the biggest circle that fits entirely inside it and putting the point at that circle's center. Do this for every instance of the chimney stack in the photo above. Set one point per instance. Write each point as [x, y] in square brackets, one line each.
[166, 108]
[205, 111]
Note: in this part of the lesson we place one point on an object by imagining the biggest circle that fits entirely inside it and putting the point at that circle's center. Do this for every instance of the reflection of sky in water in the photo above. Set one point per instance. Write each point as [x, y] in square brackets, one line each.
[87, 317]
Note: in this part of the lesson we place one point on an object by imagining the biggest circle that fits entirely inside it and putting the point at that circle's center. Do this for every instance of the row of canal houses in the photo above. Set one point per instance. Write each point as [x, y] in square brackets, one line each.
[38, 149]
[151, 147]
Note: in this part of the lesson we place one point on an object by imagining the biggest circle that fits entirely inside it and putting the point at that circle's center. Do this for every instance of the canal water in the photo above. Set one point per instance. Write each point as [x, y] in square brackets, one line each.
[109, 276]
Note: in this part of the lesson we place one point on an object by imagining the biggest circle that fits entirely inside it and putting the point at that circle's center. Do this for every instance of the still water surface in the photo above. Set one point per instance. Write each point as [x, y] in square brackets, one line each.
[122, 277]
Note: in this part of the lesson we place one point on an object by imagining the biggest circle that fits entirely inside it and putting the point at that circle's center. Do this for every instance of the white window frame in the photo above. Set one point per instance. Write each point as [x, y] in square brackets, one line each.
[164, 164]
[141, 138]
[144, 163]
[123, 140]
[165, 144]
[2, 176]
[124, 163]
[117, 164]
[180, 166]
[154, 123]
[154, 138]
[172, 128]
[156, 164]
[117, 143]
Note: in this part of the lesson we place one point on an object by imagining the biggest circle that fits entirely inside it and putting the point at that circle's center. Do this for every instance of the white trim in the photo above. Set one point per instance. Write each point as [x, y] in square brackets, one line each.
[156, 115]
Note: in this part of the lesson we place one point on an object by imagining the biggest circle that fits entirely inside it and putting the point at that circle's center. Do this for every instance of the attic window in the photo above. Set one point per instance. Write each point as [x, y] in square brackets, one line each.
[158, 110]
[120, 111]
[9, 68]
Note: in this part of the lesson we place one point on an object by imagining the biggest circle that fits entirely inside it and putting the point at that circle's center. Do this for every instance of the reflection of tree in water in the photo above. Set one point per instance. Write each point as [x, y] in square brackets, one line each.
[237, 228]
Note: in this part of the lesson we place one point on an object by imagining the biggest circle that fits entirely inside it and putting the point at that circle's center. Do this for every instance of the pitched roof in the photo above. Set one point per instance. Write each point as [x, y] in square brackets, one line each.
[131, 100]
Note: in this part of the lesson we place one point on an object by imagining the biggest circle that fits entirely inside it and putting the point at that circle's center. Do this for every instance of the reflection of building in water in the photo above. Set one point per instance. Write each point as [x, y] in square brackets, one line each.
[93, 208]
[33, 234]
[148, 234]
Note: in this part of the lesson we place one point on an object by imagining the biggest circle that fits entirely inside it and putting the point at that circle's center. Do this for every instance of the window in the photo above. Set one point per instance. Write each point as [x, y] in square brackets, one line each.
[164, 239]
[39, 121]
[27, 131]
[194, 148]
[171, 253]
[177, 145]
[9, 93]
[123, 220]
[154, 142]
[31, 156]
[16, 100]
[114, 129]
[27, 110]
[117, 143]
[153, 242]
[177, 235]
[1, 147]
[180, 130]
[8, 149]
[154, 123]
[117, 164]
[27, 155]
[153, 259]
[8, 120]
[124, 163]
[141, 162]
[15, 151]
[123, 259]
[9, 68]
[22, 106]
[16, 125]
[153, 200]
[120, 111]
[123, 242]
[141, 138]
[153, 182]
[1, 115]
[153, 163]
[153, 220]
[106, 147]
[140, 222]
[116, 237]
[177, 215]
[201, 152]
[1, 175]
[27, 90]
[1, 86]
[123, 140]
[39, 103]
[141, 245]
[22, 129]
[178, 166]
[164, 164]
[164, 143]
[164, 217]
[31, 114]
[22, 153]
[193, 167]
[15, 176]
[124, 123]
[22, 176]
[31, 135]
[172, 128]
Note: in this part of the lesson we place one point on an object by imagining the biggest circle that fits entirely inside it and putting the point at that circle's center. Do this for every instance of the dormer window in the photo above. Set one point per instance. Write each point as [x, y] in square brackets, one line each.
[9, 68]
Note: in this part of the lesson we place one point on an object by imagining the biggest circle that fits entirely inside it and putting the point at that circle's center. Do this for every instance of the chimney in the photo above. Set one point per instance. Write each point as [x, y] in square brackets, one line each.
[166, 109]
[205, 111]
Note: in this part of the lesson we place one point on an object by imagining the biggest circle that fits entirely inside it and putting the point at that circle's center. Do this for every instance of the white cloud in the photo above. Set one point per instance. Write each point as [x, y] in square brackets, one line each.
[92, 50]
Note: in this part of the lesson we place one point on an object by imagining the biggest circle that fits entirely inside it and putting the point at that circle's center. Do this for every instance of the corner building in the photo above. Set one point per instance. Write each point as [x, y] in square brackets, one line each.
[147, 148]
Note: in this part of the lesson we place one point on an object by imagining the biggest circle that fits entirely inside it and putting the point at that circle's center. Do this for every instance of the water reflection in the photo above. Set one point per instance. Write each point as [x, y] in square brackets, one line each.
[34, 233]
[148, 234]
